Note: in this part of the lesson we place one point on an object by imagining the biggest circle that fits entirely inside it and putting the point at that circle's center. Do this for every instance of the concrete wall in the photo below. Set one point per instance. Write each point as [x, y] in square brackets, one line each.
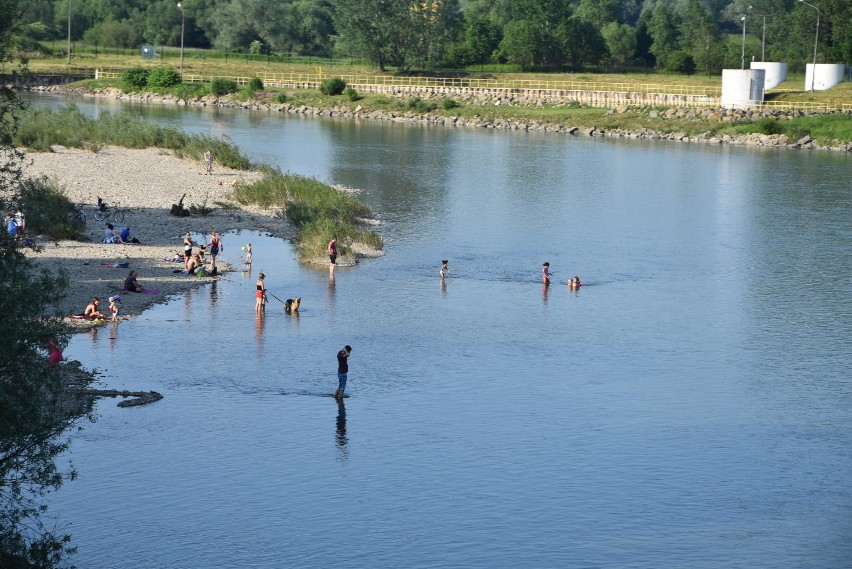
[827, 76]
[742, 88]
[776, 72]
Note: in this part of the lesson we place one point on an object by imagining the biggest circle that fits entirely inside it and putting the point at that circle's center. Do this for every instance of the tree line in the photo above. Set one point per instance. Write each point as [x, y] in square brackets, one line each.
[678, 35]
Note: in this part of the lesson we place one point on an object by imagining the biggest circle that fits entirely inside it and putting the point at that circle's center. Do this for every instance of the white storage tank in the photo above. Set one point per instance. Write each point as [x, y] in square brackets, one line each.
[827, 76]
[776, 72]
[742, 88]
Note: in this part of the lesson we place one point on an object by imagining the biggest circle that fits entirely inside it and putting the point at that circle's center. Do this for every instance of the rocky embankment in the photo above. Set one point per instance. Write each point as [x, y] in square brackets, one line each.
[677, 115]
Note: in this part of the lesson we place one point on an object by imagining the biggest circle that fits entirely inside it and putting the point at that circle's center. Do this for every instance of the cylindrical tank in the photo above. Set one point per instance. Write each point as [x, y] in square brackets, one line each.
[827, 76]
[742, 88]
[776, 72]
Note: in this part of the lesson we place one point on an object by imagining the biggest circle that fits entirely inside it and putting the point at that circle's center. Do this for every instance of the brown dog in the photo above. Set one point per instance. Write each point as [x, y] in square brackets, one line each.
[292, 304]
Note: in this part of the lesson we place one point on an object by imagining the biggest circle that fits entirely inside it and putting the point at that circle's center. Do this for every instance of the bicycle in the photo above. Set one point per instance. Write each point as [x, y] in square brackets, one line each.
[77, 215]
[102, 212]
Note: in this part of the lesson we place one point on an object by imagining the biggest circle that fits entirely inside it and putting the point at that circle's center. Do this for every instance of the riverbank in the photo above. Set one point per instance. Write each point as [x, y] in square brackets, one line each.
[146, 183]
[705, 125]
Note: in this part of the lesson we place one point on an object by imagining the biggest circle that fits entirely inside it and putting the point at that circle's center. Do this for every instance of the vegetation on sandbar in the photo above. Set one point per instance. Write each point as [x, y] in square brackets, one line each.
[316, 209]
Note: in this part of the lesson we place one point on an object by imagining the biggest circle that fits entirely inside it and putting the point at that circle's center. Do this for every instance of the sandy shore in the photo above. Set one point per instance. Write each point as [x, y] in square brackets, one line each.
[145, 183]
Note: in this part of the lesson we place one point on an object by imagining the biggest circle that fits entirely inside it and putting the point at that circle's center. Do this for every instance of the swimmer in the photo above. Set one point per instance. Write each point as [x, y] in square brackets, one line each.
[545, 273]
[444, 269]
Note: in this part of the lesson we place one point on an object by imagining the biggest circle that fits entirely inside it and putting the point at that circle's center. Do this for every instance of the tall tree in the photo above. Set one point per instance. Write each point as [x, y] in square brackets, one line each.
[34, 409]
[620, 40]
[663, 29]
[402, 33]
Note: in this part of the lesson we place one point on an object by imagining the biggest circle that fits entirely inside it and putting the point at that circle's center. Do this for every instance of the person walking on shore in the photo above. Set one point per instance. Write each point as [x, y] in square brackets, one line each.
[208, 163]
[215, 247]
[332, 253]
[21, 222]
[342, 371]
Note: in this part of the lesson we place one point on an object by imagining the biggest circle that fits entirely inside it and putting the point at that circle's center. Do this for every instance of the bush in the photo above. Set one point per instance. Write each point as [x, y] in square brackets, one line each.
[164, 77]
[351, 94]
[680, 62]
[449, 103]
[424, 107]
[281, 98]
[256, 84]
[221, 86]
[189, 91]
[333, 86]
[48, 209]
[135, 78]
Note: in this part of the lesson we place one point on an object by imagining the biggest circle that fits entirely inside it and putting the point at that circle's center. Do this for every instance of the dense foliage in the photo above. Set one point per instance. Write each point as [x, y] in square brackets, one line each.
[35, 410]
[418, 34]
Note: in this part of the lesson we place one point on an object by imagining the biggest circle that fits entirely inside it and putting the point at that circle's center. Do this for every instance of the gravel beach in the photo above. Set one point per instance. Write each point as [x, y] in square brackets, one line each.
[145, 183]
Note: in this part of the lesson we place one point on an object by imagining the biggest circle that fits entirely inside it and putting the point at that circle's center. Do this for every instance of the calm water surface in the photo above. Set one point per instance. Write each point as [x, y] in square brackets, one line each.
[690, 407]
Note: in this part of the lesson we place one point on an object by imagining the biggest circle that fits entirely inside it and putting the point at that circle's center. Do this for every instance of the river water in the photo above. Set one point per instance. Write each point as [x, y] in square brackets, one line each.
[688, 407]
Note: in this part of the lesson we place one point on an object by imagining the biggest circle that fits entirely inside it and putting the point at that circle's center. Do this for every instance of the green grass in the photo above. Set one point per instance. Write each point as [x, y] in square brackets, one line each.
[316, 209]
[826, 129]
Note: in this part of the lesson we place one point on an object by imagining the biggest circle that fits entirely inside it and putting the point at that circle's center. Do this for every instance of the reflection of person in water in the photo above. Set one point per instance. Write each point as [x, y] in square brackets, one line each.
[341, 437]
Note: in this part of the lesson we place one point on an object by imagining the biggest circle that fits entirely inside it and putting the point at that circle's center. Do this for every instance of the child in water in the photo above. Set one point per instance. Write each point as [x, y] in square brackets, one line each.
[444, 269]
[247, 249]
[545, 273]
[113, 307]
[574, 284]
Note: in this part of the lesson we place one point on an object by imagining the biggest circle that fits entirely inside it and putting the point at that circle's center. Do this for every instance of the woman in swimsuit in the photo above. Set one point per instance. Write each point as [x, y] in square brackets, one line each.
[545, 273]
[260, 294]
[215, 247]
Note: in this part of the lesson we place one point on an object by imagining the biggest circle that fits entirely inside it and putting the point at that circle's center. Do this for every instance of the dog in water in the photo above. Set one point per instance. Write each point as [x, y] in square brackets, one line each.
[292, 304]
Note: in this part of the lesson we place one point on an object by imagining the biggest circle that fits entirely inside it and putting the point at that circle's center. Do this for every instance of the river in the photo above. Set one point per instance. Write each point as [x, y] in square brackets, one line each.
[688, 407]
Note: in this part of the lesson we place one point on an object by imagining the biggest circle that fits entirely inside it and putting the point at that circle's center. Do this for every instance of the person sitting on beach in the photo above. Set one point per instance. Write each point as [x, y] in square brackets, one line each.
[109, 233]
[192, 264]
[130, 284]
[92, 312]
[124, 236]
[11, 226]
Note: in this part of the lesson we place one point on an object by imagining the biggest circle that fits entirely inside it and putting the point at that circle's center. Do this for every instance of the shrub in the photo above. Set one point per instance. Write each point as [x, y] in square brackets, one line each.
[449, 103]
[189, 91]
[768, 126]
[333, 86]
[221, 86]
[47, 209]
[351, 94]
[256, 84]
[424, 107]
[412, 103]
[680, 62]
[135, 78]
[281, 98]
[164, 77]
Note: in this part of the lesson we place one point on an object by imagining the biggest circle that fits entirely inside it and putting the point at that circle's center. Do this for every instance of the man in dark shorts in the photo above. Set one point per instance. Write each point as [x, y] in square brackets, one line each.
[342, 370]
[332, 253]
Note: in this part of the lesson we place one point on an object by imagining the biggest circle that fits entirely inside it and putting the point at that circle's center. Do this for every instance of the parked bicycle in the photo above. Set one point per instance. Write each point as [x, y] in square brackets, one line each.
[103, 212]
[77, 215]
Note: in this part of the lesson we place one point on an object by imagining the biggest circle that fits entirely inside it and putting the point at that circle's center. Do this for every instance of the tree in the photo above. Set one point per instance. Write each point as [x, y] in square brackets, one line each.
[34, 408]
[520, 45]
[598, 12]
[620, 40]
[402, 33]
[663, 29]
[581, 43]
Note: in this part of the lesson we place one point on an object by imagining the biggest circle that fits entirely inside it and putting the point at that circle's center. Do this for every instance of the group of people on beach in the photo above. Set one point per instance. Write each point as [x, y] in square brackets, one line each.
[573, 283]
[15, 225]
[121, 234]
[194, 263]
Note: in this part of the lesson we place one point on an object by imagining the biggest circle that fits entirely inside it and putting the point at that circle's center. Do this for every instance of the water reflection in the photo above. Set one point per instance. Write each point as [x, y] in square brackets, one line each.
[341, 437]
[214, 294]
[331, 289]
[259, 322]
[113, 334]
[545, 289]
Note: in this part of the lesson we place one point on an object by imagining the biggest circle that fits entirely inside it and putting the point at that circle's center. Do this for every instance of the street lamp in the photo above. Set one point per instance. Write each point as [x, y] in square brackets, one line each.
[69, 32]
[763, 37]
[742, 56]
[182, 20]
[816, 42]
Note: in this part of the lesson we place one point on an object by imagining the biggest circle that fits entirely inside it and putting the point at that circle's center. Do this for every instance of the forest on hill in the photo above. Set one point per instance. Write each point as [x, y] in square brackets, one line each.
[685, 36]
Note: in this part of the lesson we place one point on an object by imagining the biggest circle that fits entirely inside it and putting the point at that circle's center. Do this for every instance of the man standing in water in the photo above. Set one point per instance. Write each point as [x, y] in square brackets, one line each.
[342, 370]
[332, 253]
